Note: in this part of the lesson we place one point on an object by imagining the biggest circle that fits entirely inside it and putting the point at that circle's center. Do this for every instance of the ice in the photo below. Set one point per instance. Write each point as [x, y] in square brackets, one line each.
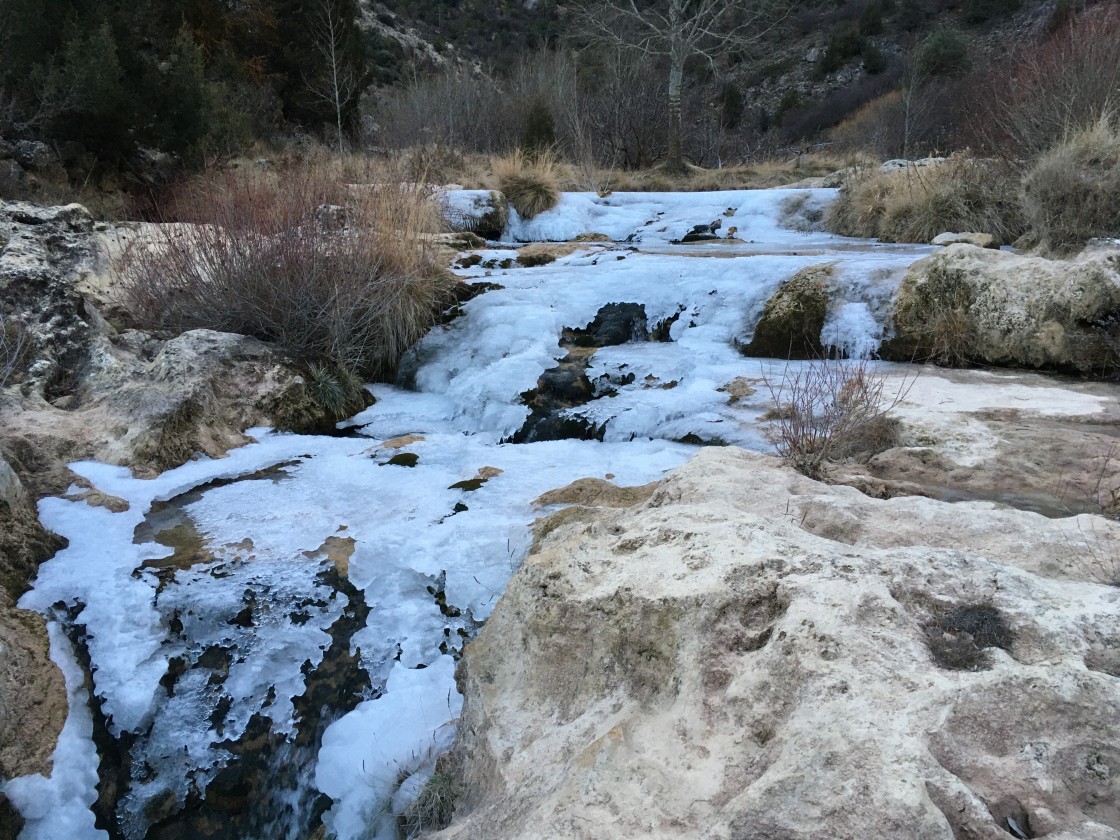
[430, 559]
[368, 752]
[659, 218]
[60, 806]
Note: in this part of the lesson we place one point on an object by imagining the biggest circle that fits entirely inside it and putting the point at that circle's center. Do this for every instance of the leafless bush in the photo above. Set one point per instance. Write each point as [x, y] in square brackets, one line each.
[338, 275]
[13, 346]
[824, 409]
[1047, 90]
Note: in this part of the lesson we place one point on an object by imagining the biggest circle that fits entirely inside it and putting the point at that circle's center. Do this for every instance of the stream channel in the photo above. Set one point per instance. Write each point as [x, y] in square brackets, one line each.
[272, 636]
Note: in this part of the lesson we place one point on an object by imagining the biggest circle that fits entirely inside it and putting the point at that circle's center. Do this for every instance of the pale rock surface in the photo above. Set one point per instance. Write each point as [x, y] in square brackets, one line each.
[1001, 308]
[744, 655]
[980, 240]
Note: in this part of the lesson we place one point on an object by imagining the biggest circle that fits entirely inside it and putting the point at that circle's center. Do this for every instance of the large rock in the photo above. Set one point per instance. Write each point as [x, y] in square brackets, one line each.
[751, 654]
[791, 322]
[974, 305]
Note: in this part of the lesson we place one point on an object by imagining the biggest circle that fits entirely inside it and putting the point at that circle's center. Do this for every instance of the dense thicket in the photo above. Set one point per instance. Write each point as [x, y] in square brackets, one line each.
[101, 78]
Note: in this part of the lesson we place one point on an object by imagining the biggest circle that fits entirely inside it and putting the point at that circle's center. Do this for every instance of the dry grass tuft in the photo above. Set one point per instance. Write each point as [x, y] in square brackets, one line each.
[341, 276]
[530, 184]
[917, 203]
[959, 639]
[433, 808]
[1072, 192]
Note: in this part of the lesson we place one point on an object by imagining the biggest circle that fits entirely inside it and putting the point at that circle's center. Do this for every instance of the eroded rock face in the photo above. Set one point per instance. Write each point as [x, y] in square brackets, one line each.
[751, 654]
[974, 305]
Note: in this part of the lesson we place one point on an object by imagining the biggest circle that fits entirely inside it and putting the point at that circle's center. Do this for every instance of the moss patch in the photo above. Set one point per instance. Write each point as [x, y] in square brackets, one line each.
[793, 318]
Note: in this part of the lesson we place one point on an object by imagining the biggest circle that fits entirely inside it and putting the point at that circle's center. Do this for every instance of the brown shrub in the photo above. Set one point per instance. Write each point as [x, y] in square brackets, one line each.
[530, 184]
[919, 202]
[1047, 90]
[338, 275]
[1072, 192]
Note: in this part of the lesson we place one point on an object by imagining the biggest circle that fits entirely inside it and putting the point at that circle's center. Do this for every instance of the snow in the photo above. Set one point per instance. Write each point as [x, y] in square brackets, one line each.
[413, 532]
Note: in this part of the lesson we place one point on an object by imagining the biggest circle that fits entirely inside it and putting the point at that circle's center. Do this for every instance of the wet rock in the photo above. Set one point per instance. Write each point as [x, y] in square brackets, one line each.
[974, 305]
[567, 385]
[614, 324]
[791, 322]
[751, 645]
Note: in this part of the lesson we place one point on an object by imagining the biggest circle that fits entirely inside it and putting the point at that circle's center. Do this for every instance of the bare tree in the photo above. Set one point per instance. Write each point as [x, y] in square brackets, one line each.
[340, 83]
[679, 30]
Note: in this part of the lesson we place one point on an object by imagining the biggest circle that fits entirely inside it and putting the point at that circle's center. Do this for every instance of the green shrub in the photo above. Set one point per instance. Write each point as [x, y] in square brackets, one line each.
[871, 18]
[944, 53]
[1072, 192]
[843, 46]
[874, 62]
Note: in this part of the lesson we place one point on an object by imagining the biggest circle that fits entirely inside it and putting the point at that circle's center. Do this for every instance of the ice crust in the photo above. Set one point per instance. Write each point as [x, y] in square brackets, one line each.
[412, 530]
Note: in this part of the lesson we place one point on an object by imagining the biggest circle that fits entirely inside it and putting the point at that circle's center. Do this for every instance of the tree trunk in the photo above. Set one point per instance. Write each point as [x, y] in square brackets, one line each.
[676, 155]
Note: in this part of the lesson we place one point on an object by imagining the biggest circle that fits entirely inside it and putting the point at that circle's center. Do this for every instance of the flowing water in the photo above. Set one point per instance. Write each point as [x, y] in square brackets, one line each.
[272, 636]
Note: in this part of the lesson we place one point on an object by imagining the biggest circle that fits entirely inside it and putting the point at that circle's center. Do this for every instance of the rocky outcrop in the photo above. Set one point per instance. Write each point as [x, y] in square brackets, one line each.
[751, 654]
[972, 305]
[791, 322]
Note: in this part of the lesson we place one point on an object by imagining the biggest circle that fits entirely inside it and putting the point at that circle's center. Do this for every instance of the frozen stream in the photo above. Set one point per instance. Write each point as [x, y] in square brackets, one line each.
[305, 599]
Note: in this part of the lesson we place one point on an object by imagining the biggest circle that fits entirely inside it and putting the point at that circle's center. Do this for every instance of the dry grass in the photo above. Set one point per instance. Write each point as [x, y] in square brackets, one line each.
[919, 202]
[340, 276]
[959, 639]
[433, 808]
[530, 184]
[1072, 192]
[830, 409]
[440, 165]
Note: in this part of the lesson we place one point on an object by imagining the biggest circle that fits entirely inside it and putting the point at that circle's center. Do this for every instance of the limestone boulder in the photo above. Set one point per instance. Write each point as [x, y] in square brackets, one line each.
[974, 305]
[751, 654]
[980, 240]
[792, 320]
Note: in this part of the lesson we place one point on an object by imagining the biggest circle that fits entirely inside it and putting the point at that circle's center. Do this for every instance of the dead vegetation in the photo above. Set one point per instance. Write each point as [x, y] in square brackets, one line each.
[341, 276]
[916, 203]
[830, 409]
[959, 639]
